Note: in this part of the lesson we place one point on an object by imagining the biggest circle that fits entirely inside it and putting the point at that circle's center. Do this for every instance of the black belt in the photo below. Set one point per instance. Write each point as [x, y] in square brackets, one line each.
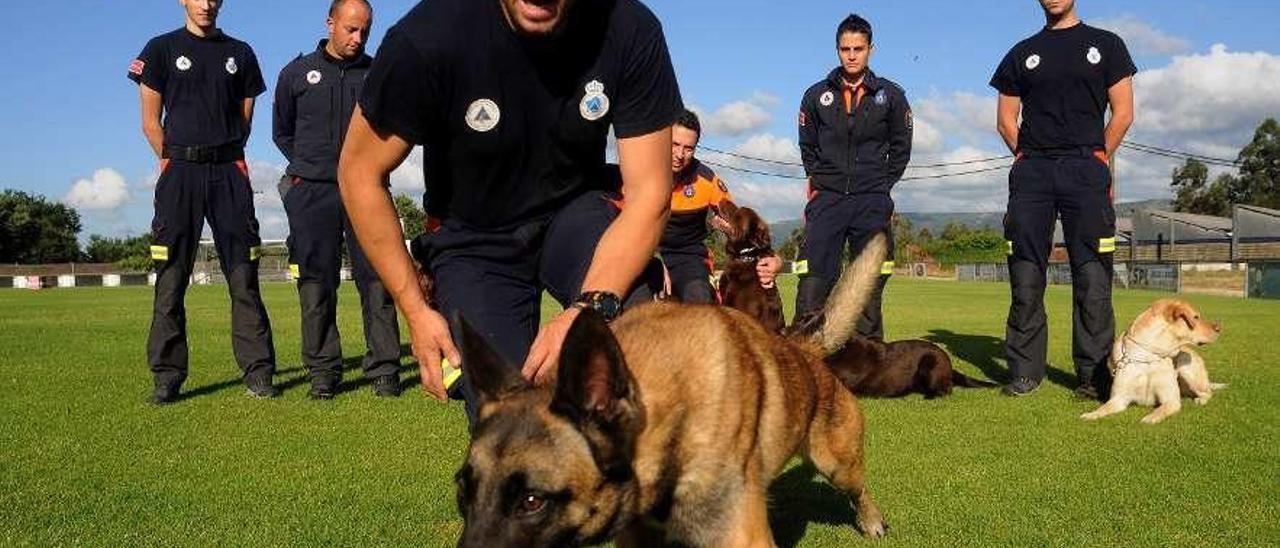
[1066, 152]
[204, 154]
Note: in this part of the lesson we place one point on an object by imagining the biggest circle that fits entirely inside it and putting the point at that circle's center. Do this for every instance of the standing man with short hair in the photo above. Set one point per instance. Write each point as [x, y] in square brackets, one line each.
[513, 101]
[315, 96]
[1061, 81]
[197, 88]
[855, 142]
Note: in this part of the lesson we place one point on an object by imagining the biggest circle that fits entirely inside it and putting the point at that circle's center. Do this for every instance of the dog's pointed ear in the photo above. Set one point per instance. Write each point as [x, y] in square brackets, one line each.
[593, 378]
[490, 376]
[595, 391]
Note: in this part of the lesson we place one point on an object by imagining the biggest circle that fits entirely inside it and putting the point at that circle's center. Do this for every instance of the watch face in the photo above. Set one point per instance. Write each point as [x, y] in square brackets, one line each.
[607, 304]
[610, 306]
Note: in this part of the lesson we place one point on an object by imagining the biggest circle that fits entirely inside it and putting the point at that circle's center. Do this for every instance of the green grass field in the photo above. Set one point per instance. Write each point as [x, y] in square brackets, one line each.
[84, 460]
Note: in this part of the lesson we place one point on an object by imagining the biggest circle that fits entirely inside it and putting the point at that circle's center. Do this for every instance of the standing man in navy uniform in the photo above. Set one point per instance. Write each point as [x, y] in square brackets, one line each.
[315, 97]
[198, 87]
[1061, 81]
[855, 142]
[513, 101]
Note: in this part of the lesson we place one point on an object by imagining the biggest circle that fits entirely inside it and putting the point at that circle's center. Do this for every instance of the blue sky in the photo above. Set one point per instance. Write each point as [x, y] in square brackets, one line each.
[70, 117]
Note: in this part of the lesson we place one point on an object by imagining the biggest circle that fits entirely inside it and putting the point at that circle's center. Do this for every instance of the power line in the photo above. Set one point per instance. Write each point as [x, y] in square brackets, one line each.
[912, 166]
[753, 158]
[752, 171]
[1130, 145]
[801, 178]
[1169, 153]
[960, 174]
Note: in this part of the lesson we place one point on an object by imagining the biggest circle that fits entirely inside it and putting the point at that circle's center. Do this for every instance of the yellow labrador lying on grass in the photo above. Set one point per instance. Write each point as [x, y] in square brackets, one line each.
[1154, 362]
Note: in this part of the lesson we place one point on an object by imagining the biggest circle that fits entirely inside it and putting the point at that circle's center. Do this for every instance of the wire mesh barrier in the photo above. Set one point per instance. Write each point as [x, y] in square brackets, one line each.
[1263, 280]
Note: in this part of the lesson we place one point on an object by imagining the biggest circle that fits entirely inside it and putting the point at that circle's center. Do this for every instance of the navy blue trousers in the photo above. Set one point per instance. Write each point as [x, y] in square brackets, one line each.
[1075, 188]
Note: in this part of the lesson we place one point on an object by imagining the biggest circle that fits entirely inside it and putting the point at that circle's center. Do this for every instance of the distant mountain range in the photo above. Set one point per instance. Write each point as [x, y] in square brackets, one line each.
[935, 222]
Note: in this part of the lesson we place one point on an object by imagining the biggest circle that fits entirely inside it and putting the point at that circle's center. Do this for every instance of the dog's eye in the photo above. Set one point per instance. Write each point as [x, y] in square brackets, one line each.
[531, 504]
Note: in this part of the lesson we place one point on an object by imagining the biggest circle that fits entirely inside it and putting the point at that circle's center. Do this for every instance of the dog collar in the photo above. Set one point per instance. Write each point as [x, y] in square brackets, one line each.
[1144, 354]
[751, 254]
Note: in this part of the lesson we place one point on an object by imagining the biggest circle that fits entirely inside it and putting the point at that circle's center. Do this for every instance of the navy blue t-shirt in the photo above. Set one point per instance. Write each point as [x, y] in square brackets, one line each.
[515, 127]
[204, 82]
[1062, 77]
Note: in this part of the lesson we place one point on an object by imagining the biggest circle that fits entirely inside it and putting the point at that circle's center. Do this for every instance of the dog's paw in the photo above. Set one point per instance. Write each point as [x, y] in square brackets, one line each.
[1203, 399]
[1091, 416]
[873, 529]
[1152, 418]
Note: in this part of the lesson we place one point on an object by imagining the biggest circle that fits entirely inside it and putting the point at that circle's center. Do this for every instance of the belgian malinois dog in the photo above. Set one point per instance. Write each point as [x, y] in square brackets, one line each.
[665, 428]
[746, 242]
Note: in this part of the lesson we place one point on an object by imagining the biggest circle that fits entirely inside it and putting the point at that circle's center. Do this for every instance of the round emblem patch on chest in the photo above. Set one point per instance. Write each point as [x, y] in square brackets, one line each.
[689, 191]
[1094, 56]
[595, 104]
[314, 77]
[483, 115]
[827, 98]
[1033, 61]
[232, 68]
[183, 63]
[881, 98]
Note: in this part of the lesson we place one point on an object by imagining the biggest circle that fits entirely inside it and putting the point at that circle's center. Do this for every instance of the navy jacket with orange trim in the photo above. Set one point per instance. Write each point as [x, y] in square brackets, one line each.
[860, 150]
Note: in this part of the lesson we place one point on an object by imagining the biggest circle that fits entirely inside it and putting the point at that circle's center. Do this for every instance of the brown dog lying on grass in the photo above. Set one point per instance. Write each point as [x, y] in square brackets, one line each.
[1153, 362]
[747, 241]
[666, 427]
[876, 369]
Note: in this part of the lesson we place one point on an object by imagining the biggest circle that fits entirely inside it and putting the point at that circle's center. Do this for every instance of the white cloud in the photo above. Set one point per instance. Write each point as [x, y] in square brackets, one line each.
[770, 147]
[961, 118]
[773, 200]
[409, 178]
[149, 182]
[265, 178]
[925, 138]
[1205, 103]
[1220, 96]
[1142, 38]
[956, 187]
[739, 117]
[105, 190]
[273, 225]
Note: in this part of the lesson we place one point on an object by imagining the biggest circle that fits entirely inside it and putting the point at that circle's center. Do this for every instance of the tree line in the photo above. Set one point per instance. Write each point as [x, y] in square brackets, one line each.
[1255, 182]
[35, 230]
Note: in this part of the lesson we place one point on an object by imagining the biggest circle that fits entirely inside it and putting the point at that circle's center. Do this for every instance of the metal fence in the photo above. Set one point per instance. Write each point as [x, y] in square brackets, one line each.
[1163, 277]
[1263, 281]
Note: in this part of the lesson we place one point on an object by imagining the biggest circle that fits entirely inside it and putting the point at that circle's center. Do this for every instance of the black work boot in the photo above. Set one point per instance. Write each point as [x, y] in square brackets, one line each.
[323, 388]
[260, 386]
[165, 393]
[1021, 386]
[387, 386]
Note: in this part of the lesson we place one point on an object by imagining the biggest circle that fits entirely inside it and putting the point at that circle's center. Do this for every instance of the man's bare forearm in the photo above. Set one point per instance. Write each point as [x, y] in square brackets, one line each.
[155, 137]
[625, 249]
[366, 163]
[377, 227]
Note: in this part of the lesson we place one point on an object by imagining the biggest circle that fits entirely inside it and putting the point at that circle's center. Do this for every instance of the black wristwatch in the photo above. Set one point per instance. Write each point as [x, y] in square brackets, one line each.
[604, 302]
